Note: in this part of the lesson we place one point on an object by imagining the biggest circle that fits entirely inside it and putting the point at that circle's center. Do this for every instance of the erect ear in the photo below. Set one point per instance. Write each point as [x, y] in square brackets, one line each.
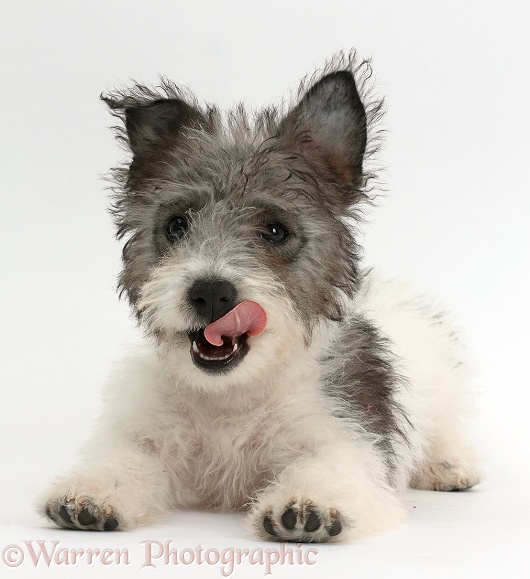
[328, 127]
[155, 125]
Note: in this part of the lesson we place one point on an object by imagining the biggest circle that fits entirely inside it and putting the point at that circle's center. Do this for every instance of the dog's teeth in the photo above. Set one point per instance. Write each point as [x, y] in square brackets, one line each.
[211, 358]
[195, 349]
[214, 358]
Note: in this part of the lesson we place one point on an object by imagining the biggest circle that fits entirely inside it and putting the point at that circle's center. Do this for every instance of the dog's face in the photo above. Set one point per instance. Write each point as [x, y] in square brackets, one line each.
[242, 222]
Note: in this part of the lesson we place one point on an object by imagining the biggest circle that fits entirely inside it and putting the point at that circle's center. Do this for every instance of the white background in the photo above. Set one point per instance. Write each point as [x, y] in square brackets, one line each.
[455, 221]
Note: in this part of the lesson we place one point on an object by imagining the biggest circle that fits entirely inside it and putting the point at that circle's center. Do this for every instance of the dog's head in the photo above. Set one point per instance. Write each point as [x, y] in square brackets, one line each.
[240, 220]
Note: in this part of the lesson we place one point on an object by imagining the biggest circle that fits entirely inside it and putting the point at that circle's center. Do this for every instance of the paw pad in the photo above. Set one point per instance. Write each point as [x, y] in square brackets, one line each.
[81, 513]
[303, 522]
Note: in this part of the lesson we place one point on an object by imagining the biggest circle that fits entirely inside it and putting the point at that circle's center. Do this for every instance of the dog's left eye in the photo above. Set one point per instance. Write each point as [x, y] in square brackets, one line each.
[176, 228]
[276, 233]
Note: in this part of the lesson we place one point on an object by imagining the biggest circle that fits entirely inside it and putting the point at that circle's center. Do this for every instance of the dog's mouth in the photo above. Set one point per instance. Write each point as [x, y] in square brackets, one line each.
[214, 358]
[222, 344]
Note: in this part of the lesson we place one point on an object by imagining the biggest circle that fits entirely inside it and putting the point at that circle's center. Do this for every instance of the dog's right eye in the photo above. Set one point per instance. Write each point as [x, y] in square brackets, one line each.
[176, 228]
[276, 233]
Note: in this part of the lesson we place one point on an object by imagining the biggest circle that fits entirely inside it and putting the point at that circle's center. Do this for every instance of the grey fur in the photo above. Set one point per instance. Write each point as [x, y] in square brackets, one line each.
[364, 388]
[181, 151]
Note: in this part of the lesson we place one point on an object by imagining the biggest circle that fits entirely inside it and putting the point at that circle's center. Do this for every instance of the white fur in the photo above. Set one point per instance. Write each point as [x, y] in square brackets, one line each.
[264, 436]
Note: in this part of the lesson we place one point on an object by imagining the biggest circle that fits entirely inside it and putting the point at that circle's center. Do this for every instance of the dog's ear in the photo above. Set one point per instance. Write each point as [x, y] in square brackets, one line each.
[328, 127]
[159, 123]
[156, 125]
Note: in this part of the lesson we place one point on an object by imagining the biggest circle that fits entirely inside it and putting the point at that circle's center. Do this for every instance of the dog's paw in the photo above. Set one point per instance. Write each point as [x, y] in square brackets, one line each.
[300, 521]
[80, 512]
[444, 475]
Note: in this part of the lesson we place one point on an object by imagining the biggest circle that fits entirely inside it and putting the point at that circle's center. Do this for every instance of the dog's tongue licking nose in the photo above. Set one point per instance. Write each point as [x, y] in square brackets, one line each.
[246, 318]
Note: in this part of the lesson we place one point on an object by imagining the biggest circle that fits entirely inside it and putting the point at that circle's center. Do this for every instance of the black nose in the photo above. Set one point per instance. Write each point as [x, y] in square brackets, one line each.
[212, 298]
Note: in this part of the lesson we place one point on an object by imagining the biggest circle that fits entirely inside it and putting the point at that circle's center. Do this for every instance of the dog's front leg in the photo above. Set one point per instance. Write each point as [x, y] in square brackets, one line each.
[116, 485]
[340, 491]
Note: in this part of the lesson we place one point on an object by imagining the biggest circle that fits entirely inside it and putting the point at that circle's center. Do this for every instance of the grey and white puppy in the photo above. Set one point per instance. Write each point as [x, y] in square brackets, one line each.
[277, 377]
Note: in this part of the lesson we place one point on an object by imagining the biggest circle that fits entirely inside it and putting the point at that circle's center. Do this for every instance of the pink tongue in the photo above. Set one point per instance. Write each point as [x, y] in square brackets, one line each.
[247, 317]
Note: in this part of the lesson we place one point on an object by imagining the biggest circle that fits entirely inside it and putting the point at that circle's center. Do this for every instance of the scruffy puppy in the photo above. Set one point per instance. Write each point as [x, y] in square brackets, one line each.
[278, 376]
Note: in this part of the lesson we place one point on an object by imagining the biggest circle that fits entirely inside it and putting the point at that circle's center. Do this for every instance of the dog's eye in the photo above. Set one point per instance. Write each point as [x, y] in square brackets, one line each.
[176, 228]
[276, 233]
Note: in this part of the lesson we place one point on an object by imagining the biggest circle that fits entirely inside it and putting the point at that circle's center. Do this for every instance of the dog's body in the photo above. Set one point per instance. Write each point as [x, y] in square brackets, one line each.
[279, 376]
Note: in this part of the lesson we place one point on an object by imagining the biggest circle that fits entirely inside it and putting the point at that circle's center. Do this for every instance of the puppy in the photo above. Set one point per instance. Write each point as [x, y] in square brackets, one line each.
[277, 376]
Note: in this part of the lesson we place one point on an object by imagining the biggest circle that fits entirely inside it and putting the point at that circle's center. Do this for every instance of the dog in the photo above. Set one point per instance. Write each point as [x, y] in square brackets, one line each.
[278, 376]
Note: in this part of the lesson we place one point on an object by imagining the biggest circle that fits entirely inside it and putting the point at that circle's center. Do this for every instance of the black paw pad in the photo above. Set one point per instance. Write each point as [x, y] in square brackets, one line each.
[50, 515]
[313, 522]
[110, 524]
[86, 518]
[335, 529]
[267, 525]
[289, 519]
[65, 515]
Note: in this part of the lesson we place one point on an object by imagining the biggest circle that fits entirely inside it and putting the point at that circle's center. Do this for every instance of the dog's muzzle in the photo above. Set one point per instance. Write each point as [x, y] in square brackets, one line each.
[223, 343]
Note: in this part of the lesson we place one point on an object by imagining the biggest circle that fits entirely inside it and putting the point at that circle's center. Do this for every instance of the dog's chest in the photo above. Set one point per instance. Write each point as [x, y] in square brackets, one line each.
[223, 461]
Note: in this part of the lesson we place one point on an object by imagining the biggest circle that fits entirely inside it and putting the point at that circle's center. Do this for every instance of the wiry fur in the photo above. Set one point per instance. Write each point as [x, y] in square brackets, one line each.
[354, 390]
